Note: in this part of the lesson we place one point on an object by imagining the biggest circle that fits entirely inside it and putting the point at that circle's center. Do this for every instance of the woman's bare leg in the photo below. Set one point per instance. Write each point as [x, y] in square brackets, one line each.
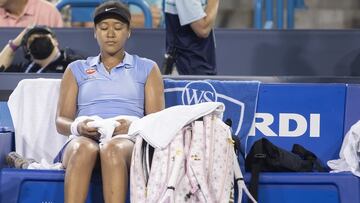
[115, 158]
[79, 160]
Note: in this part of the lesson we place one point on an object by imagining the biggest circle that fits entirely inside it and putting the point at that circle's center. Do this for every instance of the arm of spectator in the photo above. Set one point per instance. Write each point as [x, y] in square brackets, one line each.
[8, 53]
[138, 19]
[203, 26]
[154, 92]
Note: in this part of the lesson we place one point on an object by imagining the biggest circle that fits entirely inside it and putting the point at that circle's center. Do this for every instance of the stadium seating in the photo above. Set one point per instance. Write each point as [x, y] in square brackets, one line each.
[82, 10]
[270, 23]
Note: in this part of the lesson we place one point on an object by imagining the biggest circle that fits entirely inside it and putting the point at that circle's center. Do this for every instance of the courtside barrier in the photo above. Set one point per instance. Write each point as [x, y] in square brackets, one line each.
[313, 115]
[247, 52]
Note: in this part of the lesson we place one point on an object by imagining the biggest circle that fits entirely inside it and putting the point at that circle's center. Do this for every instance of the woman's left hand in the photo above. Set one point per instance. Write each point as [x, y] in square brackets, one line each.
[123, 128]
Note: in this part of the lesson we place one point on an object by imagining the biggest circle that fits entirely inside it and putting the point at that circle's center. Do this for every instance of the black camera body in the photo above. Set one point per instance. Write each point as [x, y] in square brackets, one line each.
[34, 30]
[169, 61]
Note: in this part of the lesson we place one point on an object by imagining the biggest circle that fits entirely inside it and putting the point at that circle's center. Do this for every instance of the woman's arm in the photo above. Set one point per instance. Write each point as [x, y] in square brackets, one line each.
[154, 98]
[154, 92]
[66, 108]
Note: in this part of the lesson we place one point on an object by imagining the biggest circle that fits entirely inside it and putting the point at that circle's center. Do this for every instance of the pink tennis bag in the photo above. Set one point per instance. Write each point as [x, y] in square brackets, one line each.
[199, 165]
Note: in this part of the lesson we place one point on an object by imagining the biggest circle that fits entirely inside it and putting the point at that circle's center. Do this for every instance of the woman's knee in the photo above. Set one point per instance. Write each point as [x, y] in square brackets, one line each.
[117, 151]
[82, 150]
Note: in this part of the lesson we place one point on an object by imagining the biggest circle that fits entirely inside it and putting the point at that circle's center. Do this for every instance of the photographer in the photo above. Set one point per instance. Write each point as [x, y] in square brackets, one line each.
[41, 49]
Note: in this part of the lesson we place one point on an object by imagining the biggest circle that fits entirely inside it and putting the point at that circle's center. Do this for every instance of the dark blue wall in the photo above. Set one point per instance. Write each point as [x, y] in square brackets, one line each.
[244, 52]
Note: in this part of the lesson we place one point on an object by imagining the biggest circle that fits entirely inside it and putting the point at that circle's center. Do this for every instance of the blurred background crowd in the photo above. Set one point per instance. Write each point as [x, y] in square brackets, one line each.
[238, 14]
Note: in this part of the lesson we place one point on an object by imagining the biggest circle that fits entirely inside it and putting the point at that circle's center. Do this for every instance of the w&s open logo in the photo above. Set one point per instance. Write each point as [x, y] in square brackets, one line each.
[239, 99]
[198, 92]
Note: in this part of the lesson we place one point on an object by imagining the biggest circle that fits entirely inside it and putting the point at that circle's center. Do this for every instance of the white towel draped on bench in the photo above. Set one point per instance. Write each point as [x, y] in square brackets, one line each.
[32, 106]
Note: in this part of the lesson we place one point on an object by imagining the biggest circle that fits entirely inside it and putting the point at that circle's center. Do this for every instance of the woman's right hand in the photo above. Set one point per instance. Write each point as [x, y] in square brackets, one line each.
[89, 132]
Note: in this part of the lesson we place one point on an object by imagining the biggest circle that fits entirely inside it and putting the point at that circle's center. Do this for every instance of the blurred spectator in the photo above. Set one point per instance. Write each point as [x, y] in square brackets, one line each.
[226, 12]
[41, 50]
[22, 13]
[190, 41]
[137, 16]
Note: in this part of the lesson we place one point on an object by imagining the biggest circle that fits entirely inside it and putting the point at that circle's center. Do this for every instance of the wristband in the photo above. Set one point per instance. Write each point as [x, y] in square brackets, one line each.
[12, 46]
[73, 128]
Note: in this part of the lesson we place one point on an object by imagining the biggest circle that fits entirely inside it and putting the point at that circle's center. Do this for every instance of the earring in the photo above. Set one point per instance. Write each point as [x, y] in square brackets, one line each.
[129, 35]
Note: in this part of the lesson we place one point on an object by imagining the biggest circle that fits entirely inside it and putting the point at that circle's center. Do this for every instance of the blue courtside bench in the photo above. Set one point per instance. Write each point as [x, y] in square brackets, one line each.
[315, 115]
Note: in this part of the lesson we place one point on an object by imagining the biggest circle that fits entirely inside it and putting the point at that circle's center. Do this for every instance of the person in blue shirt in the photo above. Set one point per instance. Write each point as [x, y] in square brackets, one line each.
[110, 84]
[190, 40]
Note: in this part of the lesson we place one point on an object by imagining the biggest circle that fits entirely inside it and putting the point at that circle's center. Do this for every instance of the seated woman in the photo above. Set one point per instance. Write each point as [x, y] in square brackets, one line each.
[110, 84]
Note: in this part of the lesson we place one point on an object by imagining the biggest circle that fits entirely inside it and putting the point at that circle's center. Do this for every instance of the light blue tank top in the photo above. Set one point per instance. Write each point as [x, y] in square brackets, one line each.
[120, 92]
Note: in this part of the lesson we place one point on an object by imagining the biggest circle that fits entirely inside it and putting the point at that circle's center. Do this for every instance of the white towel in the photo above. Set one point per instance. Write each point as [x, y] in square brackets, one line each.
[105, 127]
[33, 105]
[44, 165]
[349, 153]
[159, 128]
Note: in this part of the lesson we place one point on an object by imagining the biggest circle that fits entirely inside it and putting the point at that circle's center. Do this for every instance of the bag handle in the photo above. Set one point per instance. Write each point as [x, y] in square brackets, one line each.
[239, 178]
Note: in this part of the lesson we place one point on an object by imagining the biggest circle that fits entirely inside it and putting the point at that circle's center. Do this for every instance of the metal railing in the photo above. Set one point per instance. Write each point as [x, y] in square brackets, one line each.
[270, 23]
[143, 5]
